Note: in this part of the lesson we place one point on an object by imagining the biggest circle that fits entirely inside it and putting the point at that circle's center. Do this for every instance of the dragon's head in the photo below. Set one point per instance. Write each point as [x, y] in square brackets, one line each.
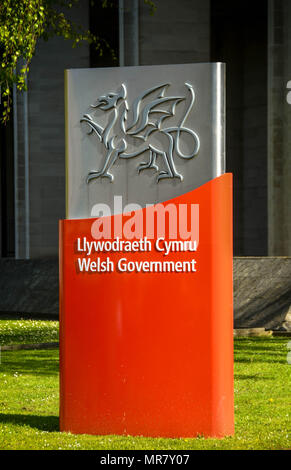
[110, 100]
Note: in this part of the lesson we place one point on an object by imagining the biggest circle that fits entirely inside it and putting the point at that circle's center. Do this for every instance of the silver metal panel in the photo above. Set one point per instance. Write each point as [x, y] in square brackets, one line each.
[172, 117]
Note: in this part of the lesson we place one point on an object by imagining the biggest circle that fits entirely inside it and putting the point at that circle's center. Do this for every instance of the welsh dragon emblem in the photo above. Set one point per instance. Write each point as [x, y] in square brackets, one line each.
[147, 116]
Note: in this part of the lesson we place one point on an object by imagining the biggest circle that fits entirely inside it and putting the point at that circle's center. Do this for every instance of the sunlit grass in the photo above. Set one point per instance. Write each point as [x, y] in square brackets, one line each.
[29, 404]
[28, 331]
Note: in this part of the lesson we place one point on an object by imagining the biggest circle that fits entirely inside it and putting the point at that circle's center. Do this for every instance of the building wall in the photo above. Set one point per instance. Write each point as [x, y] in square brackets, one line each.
[178, 32]
[240, 39]
[31, 288]
[20, 177]
[279, 122]
[46, 140]
[198, 31]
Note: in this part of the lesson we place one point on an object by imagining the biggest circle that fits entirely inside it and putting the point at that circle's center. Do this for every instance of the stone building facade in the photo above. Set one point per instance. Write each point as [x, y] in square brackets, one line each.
[253, 38]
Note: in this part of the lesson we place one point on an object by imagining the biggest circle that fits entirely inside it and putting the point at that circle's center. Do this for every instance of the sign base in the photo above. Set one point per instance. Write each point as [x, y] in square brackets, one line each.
[151, 354]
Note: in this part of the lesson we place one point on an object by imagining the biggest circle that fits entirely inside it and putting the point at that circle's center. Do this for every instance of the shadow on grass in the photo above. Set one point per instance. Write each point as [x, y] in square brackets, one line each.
[255, 359]
[36, 362]
[260, 350]
[254, 378]
[270, 344]
[43, 423]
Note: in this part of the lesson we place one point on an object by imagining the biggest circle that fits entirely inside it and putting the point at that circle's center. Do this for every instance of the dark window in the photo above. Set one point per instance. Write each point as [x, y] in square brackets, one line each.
[239, 38]
[6, 189]
[104, 24]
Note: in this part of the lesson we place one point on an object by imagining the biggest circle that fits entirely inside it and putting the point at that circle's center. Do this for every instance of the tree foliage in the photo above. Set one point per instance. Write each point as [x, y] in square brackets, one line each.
[22, 24]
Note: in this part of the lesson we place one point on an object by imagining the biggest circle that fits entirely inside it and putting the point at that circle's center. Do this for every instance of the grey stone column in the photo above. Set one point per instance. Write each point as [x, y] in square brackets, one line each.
[131, 32]
[47, 134]
[279, 128]
[21, 222]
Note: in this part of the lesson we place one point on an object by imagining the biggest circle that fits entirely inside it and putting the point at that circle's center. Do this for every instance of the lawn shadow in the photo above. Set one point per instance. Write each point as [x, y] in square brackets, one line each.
[262, 360]
[34, 362]
[43, 423]
[259, 350]
[255, 378]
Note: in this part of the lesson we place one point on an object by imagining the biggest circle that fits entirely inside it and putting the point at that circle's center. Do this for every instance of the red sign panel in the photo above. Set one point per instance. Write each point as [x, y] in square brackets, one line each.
[146, 327]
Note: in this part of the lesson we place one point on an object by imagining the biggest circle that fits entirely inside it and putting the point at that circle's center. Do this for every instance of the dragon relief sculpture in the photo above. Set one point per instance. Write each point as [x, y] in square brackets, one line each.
[147, 116]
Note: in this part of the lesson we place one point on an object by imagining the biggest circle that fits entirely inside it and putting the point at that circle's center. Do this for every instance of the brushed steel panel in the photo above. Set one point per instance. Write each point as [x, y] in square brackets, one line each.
[99, 93]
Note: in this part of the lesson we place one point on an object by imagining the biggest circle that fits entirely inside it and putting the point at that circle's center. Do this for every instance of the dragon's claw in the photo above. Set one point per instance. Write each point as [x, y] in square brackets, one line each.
[178, 176]
[92, 175]
[165, 174]
[147, 165]
[99, 174]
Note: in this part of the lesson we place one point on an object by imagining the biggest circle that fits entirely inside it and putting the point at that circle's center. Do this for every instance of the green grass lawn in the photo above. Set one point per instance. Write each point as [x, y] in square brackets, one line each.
[28, 331]
[29, 403]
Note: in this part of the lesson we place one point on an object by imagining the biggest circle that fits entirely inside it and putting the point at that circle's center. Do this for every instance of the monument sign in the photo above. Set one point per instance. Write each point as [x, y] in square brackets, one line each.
[146, 254]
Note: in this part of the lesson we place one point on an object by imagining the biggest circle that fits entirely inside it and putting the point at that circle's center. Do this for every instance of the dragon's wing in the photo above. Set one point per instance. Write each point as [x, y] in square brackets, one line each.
[148, 116]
